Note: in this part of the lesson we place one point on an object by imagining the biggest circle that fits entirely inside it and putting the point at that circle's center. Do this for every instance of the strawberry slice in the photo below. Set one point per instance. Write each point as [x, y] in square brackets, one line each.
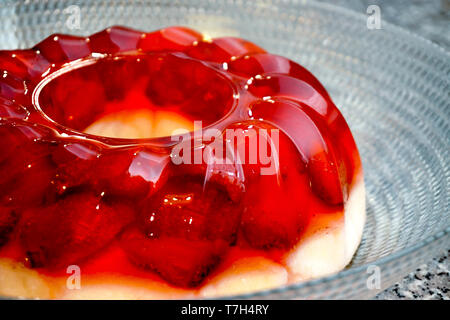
[120, 76]
[8, 220]
[185, 207]
[276, 199]
[28, 183]
[130, 172]
[71, 229]
[173, 81]
[75, 161]
[276, 213]
[312, 139]
[73, 100]
[133, 172]
[180, 261]
[26, 170]
[25, 163]
[184, 229]
[9, 140]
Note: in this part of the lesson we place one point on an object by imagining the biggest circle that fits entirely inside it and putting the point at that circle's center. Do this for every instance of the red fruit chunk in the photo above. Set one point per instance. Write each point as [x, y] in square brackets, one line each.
[60, 48]
[25, 164]
[280, 216]
[189, 85]
[282, 87]
[114, 39]
[311, 137]
[176, 83]
[172, 83]
[213, 101]
[74, 161]
[8, 220]
[180, 261]
[169, 39]
[66, 92]
[185, 208]
[21, 134]
[184, 230]
[27, 184]
[119, 77]
[276, 201]
[22, 146]
[70, 230]
[223, 49]
[133, 172]
[150, 167]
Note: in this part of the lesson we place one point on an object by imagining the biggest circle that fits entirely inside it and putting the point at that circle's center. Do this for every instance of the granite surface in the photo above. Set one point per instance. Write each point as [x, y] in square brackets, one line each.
[431, 20]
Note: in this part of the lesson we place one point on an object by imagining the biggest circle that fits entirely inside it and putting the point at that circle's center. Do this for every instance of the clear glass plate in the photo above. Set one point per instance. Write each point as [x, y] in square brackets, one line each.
[392, 87]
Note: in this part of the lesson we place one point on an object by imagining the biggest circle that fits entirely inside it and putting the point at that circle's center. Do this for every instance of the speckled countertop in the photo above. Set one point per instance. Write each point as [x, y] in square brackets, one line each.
[430, 19]
[429, 281]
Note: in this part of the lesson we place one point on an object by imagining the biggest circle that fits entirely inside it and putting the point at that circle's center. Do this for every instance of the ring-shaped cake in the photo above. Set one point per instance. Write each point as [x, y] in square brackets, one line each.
[81, 186]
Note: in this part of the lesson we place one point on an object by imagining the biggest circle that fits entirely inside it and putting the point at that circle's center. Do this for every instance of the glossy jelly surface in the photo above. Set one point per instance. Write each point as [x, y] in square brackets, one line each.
[67, 196]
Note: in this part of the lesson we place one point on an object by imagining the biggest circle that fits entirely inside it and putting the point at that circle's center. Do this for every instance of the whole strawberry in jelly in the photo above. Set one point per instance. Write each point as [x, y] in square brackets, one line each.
[185, 229]
[70, 230]
[276, 197]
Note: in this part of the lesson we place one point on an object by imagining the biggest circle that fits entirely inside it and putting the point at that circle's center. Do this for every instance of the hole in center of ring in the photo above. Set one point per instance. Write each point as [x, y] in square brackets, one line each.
[134, 96]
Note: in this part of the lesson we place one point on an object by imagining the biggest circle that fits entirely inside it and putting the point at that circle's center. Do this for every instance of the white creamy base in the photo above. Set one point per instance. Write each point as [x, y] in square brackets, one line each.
[139, 124]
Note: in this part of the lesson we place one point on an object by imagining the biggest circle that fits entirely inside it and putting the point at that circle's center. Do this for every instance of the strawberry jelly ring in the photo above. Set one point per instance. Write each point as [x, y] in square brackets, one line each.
[50, 93]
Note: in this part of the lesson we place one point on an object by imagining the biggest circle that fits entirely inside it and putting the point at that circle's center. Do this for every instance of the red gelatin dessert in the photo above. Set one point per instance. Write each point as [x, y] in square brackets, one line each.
[168, 165]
